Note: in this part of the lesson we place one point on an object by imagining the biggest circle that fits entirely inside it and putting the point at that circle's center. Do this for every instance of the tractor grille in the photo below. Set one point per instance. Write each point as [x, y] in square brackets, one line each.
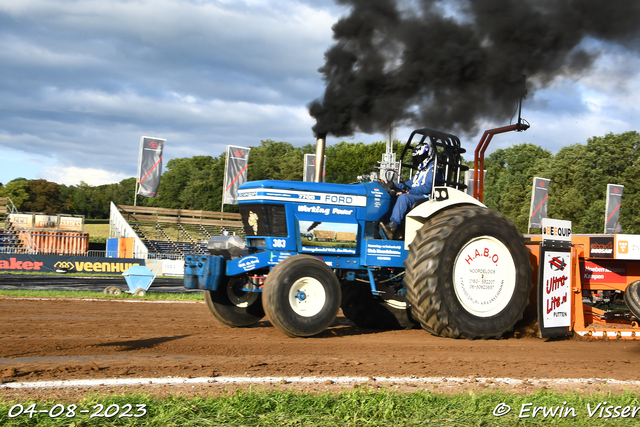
[264, 220]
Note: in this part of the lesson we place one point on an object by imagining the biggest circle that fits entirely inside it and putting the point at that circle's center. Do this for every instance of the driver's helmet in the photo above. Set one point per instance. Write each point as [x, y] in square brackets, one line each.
[421, 156]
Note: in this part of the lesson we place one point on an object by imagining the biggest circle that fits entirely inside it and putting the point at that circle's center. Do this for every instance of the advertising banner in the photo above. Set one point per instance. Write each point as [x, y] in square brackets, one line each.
[556, 284]
[71, 223]
[70, 264]
[469, 180]
[601, 247]
[21, 220]
[46, 222]
[627, 246]
[173, 268]
[150, 165]
[612, 216]
[310, 168]
[556, 230]
[538, 209]
[235, 173]
[602, 272]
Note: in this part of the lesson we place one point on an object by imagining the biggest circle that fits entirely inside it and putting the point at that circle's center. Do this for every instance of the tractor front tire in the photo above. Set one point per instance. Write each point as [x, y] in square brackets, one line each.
[301, 296]
[372, 311]
[234, 307]
[468, 274]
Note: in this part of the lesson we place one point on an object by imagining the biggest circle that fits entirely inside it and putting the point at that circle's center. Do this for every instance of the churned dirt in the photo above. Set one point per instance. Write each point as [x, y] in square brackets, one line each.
[61, 339]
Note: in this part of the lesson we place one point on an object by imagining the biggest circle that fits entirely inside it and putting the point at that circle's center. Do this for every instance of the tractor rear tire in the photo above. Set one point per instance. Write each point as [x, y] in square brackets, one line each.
[234, 307]
[468, 274]
[632, 298]
[301, 296]
[372, 311]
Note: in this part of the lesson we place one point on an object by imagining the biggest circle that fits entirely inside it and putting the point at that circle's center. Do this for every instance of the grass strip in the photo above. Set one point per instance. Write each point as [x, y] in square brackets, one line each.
[347, 408]
[25, 293]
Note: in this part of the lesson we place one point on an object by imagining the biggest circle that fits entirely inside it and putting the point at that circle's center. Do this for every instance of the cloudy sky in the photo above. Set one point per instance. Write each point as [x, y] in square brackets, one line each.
[82, 80]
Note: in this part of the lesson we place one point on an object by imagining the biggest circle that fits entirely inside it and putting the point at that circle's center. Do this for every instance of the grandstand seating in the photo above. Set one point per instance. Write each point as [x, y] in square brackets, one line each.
[9, 241]
[174, 233]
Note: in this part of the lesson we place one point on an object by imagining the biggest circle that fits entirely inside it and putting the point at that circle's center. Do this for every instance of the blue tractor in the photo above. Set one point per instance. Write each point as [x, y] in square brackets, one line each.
[459, 269]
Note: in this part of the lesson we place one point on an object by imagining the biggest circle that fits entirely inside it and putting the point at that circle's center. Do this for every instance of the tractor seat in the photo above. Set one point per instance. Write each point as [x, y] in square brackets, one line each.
[418, 203]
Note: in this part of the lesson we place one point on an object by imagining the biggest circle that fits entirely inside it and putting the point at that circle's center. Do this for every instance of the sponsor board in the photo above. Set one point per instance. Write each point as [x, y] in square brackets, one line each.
[384, 253]
[556, 230]
[71, 223]
[556, 283]
[627, 246]
[601, 247]
[70, 264]
[45, 222]
[21, 220]
[603, 272]
[173, 268]
[385, 249]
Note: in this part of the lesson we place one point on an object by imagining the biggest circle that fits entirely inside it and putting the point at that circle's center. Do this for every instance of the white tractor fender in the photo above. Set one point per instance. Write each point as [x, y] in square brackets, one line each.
[444, 197]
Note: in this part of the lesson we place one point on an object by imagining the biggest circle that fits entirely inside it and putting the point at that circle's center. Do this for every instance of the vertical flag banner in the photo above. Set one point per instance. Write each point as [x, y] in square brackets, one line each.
[310, 168]
[539, 195]
[150, 165]
[612, 216]
[469, 180]
[235, 173]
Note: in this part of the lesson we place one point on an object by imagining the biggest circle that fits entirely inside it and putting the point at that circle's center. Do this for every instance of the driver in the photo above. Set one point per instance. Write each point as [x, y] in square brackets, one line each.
[409, 193]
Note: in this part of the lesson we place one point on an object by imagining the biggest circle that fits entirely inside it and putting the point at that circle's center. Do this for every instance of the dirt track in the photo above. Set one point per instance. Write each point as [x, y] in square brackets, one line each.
[75, 339]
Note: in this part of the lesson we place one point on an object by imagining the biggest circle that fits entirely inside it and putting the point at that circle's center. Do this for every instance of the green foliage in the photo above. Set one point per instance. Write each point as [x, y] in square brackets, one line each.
[510, 174]
[17, 190]
[191, 183]
[276, 160]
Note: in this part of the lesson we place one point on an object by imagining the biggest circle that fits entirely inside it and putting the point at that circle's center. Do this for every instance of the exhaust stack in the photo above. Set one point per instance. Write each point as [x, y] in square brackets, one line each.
[320, 143]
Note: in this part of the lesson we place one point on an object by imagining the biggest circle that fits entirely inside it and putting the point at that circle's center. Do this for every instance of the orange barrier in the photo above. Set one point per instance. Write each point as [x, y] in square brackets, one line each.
[55, 242]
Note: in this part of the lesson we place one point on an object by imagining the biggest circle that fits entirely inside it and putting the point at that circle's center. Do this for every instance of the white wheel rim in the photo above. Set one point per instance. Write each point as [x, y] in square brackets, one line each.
[307, 297]
[396, 304]
[484, 276]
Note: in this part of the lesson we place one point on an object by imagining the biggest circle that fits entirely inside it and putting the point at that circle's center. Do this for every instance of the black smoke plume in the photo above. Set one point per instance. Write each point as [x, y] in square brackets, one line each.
[451, 64]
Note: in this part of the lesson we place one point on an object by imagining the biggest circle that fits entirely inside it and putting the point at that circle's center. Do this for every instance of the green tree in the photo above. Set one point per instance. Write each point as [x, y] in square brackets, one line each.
[275, 160]
[611, 159]
[510, 174]
[44, 196]
[18, 190]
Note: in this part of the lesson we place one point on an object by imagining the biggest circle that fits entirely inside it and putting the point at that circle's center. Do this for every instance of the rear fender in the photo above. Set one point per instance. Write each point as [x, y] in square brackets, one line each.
[444, 198]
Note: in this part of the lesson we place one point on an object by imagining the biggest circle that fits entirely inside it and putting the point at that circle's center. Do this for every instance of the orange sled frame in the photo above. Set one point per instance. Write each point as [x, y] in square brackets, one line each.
[598, 263]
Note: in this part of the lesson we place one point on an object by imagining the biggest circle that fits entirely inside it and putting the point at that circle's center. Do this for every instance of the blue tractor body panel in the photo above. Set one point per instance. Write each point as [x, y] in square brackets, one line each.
[334, 222]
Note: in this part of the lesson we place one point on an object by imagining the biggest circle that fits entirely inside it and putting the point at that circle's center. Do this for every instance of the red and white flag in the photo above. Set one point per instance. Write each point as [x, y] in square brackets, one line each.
[539, 195]
[235, 173]
[150, 165]
[612, 216]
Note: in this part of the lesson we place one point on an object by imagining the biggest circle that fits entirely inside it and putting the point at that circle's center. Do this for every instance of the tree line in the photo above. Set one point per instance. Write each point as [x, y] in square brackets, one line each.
[579, 174]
